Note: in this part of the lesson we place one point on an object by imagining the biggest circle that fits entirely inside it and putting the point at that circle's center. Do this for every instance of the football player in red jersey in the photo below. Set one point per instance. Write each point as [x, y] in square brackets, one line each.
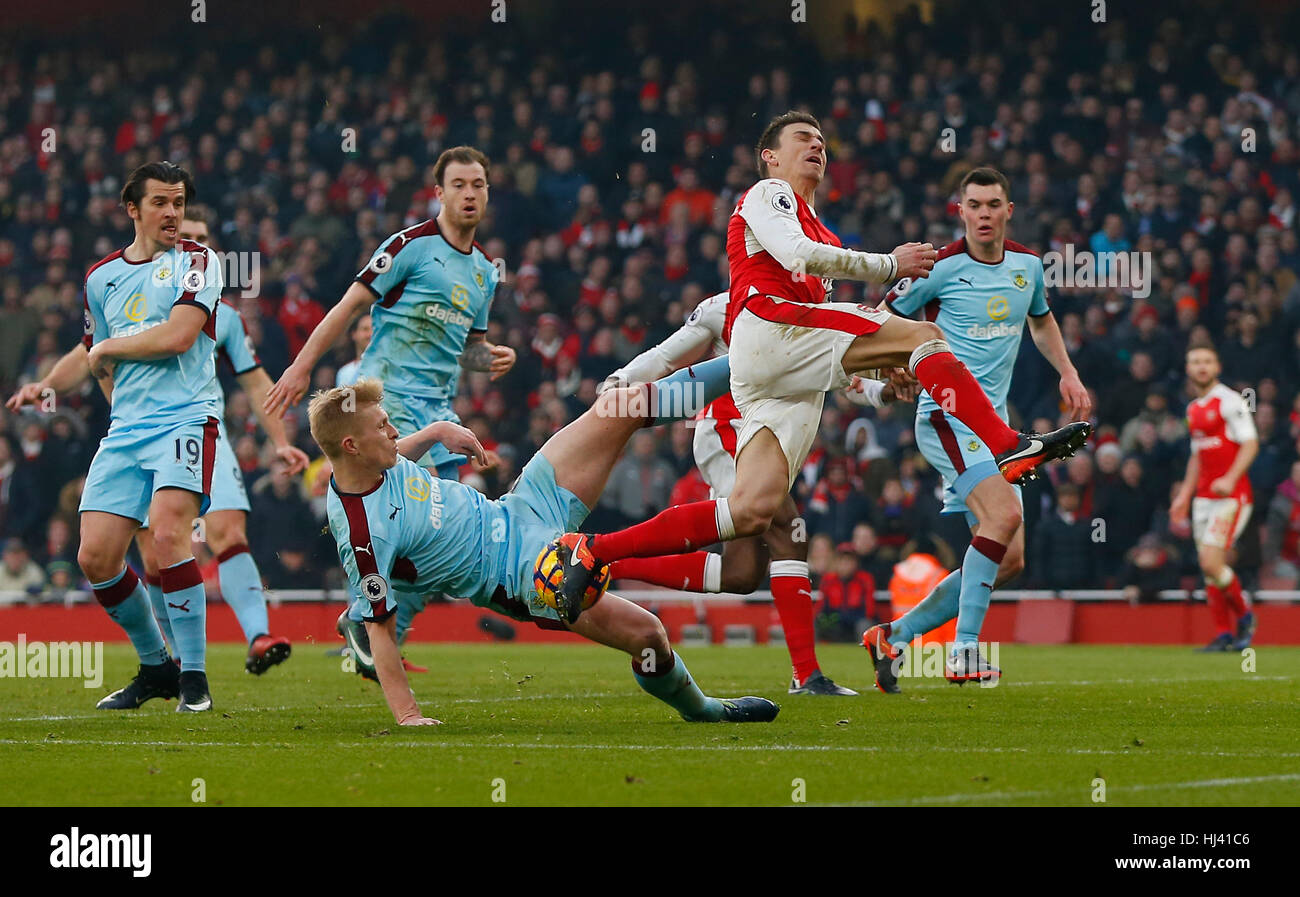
[788, 346]
[1217, 490]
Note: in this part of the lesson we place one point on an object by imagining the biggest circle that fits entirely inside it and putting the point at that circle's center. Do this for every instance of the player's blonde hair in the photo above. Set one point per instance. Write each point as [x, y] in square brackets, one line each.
[332, 412]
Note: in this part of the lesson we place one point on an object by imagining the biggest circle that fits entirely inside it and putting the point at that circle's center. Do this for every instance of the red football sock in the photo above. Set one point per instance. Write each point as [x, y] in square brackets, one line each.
[1218, 603]
[949, 382]
[1236, 600]
[675, 571]
[792, 595]
[679, 529]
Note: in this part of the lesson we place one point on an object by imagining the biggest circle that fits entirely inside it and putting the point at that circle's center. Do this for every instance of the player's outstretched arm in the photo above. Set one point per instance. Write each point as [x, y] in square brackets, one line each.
[1047, 337]
[456, 438]
[67, 374]
[480, 355]
[392, 675]
[257, 383]
[172, 337]
[770, 211]
[293, 383]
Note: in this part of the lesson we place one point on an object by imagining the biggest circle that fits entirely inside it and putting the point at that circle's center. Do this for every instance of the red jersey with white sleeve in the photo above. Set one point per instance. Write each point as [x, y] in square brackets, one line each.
[777, 246]
[700, 336]
[1220, 422]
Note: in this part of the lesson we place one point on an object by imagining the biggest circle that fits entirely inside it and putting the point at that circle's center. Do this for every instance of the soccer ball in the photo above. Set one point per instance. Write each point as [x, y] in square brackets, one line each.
[548, 572]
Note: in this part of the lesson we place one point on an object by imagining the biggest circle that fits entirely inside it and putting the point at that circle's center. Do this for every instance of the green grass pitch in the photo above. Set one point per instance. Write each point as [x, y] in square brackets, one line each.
[546, 725]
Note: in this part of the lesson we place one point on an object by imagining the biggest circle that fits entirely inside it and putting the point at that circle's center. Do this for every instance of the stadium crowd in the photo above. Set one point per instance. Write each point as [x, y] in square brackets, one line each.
[614, 173]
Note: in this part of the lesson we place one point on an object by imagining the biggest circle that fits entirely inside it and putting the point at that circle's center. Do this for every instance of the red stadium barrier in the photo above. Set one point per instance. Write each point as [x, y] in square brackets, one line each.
[1103, 622]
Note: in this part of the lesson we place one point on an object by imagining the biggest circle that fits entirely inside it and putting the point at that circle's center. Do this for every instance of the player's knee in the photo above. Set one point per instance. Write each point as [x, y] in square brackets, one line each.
[742, 579]
[626, 403]
[97, 564]
[926, 331]
[222, 535]
[171, 539]
[1010, 519]
[650, 635]
[751, 518]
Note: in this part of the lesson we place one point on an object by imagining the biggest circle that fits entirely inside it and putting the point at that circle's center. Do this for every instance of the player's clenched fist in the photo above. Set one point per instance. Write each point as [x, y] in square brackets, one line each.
[915, 259]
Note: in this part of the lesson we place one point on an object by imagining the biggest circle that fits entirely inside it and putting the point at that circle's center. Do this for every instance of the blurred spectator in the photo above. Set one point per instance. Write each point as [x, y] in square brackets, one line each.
[848, 599]
[18, 572]
[278, 506]
[360, 335]
[1150, 568]
[836, 505]
[641, 481]
[1063, 544]
[1282, 547]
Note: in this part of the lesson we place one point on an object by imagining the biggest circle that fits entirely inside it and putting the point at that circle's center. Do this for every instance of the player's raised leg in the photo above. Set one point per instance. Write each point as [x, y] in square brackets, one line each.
[102, 556]
[920, 345]
[658, 669]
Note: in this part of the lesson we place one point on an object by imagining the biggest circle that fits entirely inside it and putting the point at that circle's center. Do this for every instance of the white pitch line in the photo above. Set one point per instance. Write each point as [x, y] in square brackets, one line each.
[310, 708]
[1012, 795]
[934, 681]
[704, 748]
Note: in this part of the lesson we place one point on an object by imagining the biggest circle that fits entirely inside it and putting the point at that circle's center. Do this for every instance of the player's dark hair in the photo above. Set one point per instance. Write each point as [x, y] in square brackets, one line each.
[985, 177]
[198, 213]
[167, 172]
[466, 155]
[772, 134]
[1201, 344]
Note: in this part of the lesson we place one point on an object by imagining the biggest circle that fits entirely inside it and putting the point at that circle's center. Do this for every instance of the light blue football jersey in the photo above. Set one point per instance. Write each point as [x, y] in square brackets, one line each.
[981, 309]
[417, 533]
[235, 347]
[429, 295]
[123, 298]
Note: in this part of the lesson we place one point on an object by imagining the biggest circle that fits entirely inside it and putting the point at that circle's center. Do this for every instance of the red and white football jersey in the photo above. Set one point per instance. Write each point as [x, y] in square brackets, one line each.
[1220, 422]
[769, 206]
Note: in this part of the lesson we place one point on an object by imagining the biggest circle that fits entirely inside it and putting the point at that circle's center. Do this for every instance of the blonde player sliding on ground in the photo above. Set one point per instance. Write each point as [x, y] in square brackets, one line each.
[788, 346]
[400, 527]
[1224, 443]
[741, 565]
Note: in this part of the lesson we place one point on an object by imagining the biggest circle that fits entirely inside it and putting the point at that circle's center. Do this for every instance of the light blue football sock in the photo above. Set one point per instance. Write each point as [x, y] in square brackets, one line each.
[187, 608]
[978, 573]
[940, 606]
[241, 586]
[684, 393]
[134, 614]
[160, 614]
[678, 690]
